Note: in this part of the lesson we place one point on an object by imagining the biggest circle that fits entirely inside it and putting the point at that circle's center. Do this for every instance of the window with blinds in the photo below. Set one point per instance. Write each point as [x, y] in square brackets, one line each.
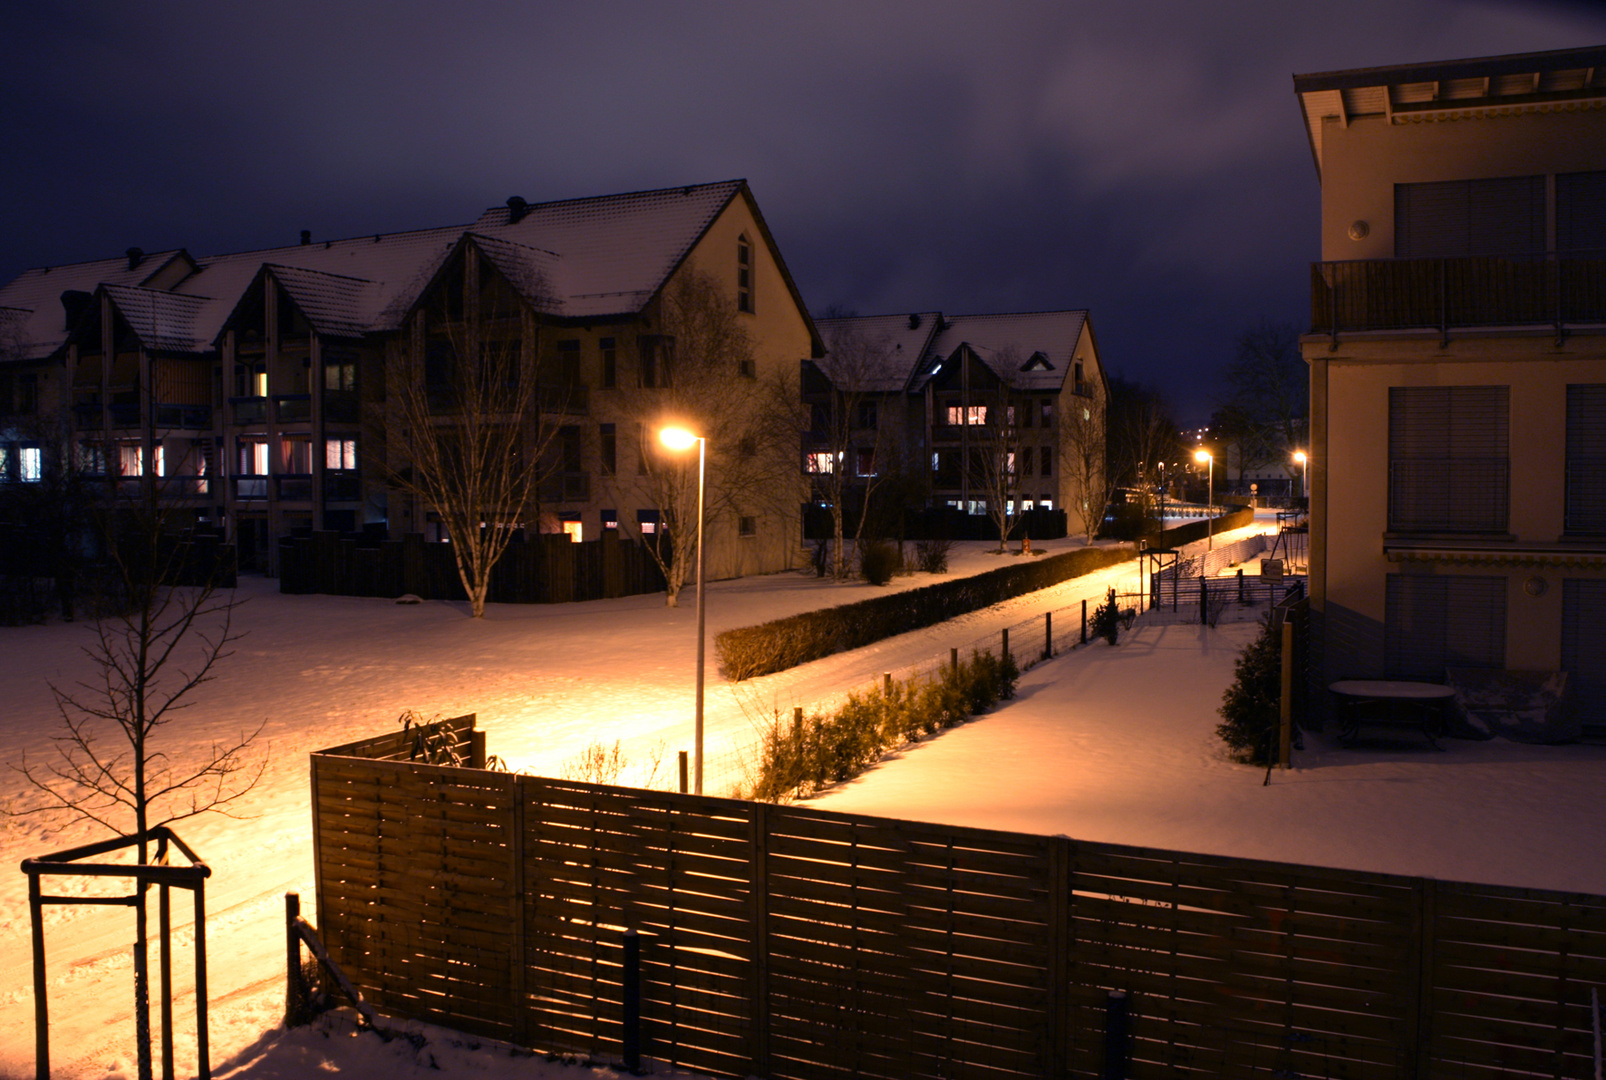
[1586, 458]
[1431, 623]
[1502, 216]
[1583, 646]
[1581, 213]
[1449, 459]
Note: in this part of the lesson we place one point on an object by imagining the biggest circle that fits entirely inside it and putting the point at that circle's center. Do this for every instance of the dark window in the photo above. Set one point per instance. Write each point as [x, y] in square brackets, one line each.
[1583, 646]
[747, 525]
[867, 414]
[744, 275]
[340, 376]
[1581, 212]
[657, 359]
[610, 362]
[610, 519]
[1449, 468]
[609, 446]
[1047, 462]
[1586, 459]
[1433, 622]
[865, 465]
[746, 447]
[569, 362]
[1504, 216]
[1026, 460]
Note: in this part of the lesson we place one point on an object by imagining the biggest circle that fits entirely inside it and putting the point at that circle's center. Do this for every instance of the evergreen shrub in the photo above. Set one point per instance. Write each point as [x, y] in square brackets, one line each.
[1251, 707]
[878, 562]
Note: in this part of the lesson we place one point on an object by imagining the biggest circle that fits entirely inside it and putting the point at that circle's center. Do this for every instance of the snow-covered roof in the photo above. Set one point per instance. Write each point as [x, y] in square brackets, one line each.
[163, 321]
[892, 348]
[578, 258]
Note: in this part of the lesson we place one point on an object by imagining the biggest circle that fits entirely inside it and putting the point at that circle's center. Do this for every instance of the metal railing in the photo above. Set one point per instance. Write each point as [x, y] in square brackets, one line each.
[1448, 293]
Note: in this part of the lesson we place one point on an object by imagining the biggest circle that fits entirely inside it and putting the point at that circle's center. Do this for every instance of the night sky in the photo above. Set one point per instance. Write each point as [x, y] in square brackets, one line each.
[1144, 160]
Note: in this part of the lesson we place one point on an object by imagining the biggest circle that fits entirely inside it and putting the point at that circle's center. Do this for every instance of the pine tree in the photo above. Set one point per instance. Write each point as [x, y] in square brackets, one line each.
[1250, 708]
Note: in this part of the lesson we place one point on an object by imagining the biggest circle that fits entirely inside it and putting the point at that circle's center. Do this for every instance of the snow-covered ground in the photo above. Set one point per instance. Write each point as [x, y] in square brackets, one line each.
[1100, 743]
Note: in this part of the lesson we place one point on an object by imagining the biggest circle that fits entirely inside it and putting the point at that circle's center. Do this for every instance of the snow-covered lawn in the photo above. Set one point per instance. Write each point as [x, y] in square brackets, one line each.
[1101, 743]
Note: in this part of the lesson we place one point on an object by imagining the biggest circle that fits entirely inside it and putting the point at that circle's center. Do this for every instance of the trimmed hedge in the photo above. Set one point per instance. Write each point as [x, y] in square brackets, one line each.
[750, 651]
[831, 747]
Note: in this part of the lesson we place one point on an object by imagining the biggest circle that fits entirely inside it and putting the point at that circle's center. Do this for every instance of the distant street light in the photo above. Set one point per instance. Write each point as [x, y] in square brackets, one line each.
[1299, 456]
[677, 438]
[1205, 455]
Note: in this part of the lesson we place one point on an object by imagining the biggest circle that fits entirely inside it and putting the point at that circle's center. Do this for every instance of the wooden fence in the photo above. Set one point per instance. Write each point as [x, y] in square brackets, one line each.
[548, 569]
[789, 942]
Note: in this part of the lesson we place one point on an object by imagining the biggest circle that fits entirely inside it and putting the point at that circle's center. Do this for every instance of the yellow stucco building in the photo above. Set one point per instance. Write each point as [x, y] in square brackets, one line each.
[1457, 360]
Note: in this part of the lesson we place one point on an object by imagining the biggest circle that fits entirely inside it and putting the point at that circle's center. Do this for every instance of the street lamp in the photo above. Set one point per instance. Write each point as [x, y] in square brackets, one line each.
[677, 438]
[1205, 455]
[1299, 456]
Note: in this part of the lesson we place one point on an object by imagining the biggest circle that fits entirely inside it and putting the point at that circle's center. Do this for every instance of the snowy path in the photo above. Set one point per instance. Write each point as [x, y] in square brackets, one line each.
[545, 682]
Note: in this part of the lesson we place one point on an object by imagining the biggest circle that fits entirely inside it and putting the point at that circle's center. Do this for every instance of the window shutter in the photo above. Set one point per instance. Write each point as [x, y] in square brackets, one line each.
[1504, 216]
[1449, 449]
[1432, 623]
[1586, 459]
[1581, 213]
[1583, 646]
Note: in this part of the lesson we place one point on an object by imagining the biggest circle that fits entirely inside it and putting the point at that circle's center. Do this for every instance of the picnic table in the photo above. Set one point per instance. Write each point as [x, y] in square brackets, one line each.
[1391, 701]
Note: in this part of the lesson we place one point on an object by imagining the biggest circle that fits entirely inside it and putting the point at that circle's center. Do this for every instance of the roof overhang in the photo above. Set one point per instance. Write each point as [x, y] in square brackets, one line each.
[1571, 558]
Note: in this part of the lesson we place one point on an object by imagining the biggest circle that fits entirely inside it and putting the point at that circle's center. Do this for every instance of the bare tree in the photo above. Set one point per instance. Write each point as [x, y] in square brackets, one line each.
[474, 437]
[1083, 439]
[848, 452]
[995, 461]
[1265, 415]
[169, 625]
[1140, 435]
[700, 373]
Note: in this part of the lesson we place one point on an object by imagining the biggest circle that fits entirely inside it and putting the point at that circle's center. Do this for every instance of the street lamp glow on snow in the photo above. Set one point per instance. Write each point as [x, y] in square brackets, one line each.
[679, 438]
[1205, 455]
[1299, 456]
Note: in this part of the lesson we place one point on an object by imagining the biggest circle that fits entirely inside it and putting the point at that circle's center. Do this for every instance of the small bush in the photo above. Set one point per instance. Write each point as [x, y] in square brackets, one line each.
[1106, 621]
[932, 555]
[1251, 707]
[878, 562]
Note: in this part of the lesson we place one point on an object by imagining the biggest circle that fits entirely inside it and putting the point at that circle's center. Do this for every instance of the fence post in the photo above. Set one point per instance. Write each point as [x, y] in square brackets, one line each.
[1084, 622]
[1048, 635]
[295, 987]
[683, 772]
[797, 724]
[476, 749]
[1204, 599]
[1240, 584]
[886, 684]
[1003, 650]
[1285, 708]
[953, 660]
[1116, 1035]
[632, 1002]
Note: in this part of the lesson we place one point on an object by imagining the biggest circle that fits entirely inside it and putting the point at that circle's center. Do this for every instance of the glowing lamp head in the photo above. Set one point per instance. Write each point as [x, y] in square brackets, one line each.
[1299, 456]
[677, 438]
[1201, 456]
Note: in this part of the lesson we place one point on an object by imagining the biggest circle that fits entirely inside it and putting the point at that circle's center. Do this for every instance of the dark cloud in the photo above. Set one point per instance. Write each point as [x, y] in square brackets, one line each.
[1143, 160]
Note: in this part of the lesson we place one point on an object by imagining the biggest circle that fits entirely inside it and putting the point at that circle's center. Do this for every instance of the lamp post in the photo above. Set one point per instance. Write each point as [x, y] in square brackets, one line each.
[1205, 455]
[1299, 456]
[680, 439]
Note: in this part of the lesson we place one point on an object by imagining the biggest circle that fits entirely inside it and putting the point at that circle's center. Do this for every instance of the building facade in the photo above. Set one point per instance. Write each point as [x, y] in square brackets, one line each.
[978, 411]
[1457, 360]
[258, 392]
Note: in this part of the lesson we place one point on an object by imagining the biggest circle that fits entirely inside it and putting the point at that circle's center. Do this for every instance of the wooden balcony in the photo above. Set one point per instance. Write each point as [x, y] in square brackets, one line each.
[1458, 293]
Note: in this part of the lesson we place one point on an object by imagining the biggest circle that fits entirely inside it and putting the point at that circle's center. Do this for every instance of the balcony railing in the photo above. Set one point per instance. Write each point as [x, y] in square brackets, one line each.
[341, 486]
[293, 487]
[1455, 293]
[188, 417]
[249, 410]
[340, 406]
[292, 408]
[250, 487]
[125, 414]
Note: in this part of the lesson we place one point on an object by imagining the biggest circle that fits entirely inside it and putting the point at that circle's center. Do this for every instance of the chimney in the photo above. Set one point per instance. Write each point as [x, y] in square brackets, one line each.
[73, 303]
[914, 322]
[306, 237]
[516, 209]
[135, 257]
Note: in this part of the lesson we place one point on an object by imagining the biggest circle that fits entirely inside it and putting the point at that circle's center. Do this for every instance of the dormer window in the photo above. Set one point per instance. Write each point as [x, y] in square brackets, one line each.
[1038, 362]
[744, 274]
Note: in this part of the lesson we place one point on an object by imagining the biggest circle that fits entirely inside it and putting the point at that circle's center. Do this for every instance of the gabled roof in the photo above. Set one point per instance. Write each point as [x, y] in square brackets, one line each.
[1454, 89]
[575, 258]
[162, 321]
[1008, 343]
[895, 347]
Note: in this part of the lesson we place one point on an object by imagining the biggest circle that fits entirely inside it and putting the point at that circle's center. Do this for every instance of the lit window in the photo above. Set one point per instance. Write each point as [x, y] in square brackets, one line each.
[340, 454]
[130, 459]
[1045, 504]
[744, 274]
[31, 463]
[297, 451]
[610, 519]
[647, 521]
[972, 415]
[1009, 463]
[253, 457]
[572, 526]
[823, 462]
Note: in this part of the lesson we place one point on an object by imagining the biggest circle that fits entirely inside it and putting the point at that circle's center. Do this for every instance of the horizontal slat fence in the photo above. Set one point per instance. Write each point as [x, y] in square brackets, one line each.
[789, 942]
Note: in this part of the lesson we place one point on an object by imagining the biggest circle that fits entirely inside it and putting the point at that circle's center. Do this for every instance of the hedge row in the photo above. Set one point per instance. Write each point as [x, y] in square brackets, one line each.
[828, 748]
[780, 644]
